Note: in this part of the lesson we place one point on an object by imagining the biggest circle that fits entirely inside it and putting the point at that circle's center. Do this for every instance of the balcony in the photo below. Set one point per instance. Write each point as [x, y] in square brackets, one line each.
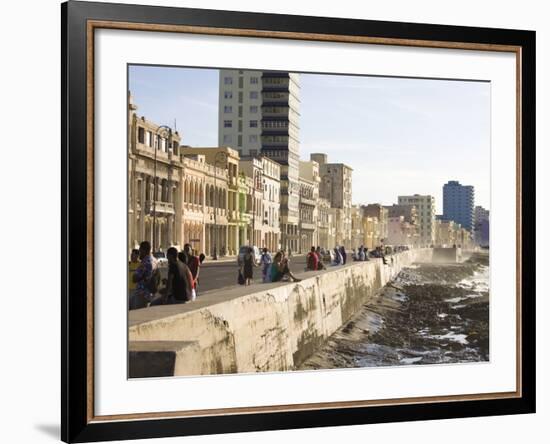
[159, 207]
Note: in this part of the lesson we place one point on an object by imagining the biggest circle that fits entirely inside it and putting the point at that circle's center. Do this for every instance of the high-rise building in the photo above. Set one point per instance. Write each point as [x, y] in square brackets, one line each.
[425, 215]
[458, 204]
[259, 114]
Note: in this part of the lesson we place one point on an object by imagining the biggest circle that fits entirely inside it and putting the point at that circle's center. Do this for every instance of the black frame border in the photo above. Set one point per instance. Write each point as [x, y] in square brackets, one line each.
[75, 424]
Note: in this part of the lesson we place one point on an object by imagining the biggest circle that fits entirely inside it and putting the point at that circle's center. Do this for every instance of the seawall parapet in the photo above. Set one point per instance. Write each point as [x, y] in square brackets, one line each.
[259, 328]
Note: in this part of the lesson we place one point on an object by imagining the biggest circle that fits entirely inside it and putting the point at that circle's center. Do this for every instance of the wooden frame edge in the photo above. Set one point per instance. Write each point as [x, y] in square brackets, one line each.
[92, 25]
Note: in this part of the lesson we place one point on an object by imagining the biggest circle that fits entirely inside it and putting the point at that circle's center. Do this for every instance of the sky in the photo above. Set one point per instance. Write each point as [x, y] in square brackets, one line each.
[400, 136]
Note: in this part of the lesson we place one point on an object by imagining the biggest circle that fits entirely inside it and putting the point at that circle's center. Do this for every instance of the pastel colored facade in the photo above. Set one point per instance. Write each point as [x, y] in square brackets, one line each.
[381, 213]
[263, 202]
[325, 224]
[357, 234]
[446, 233]
[425, 206]
[371, 232]
[224, 236]
[309, 196]
[401, 232]
[204, 193]
[259, 114]
[336, 187]
[154, 186]
[458, 203]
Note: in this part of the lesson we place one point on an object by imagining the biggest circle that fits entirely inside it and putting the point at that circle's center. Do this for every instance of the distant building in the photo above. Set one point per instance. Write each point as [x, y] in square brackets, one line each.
[336, 186]
[481, 226]
[380, 212]
[425, 206]
[458, 204]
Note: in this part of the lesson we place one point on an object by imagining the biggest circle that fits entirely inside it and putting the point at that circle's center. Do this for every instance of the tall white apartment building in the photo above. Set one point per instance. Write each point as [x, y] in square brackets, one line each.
[259, 114]
[425, 215]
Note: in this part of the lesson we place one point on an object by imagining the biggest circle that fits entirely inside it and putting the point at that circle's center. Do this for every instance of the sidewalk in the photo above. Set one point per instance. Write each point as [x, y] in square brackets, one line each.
[224, 259]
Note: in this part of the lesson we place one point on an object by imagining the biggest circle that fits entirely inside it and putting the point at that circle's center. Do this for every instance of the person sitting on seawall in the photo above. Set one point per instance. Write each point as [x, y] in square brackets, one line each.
[337, 257]
[146, 277]
[320, 265]
[312, 260]
[193, 262]
[344, 255]
[280, 269]
[179, 284]
[132, 267]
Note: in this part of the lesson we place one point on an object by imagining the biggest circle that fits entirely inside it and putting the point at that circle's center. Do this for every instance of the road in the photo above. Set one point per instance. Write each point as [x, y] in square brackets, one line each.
[215, 275]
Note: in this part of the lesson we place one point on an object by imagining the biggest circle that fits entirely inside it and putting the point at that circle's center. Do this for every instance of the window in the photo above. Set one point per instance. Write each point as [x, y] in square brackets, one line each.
[141, 135]
[253, 124]
[228, 109]
[253, 153]
[227, 138]
[253, 109]
[254, 80]
[253, 94]
[240, 82]
[228, 80]
[227, 123]
[253, 138]
[240, 140]
[228, 95]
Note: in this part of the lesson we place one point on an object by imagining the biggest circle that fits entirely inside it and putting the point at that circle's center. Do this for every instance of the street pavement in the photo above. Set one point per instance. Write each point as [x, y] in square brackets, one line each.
[215, 275]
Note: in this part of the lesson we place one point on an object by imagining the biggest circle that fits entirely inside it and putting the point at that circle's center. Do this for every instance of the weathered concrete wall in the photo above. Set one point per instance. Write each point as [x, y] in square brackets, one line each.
[273, 328]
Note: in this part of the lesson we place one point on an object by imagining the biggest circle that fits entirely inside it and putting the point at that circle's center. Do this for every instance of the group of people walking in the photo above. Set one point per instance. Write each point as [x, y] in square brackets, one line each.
[180, 285]
[274, 269]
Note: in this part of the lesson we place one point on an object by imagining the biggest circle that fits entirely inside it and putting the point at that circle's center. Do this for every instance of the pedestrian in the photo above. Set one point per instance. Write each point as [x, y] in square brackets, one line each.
[266, 262]
[361, 253]
[146, 277]
[179, 284]
[320, 265]
[132, 266]
[312, 260]
[280, 269]
[344, 255]
[337, 257]
[193, 262]
[248, 265]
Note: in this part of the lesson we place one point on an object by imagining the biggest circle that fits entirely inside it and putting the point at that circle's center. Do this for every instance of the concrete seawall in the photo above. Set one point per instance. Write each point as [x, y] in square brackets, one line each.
[263, 327]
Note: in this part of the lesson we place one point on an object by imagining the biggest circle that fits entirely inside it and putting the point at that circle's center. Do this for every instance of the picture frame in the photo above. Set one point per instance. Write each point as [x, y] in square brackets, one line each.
[80, 21]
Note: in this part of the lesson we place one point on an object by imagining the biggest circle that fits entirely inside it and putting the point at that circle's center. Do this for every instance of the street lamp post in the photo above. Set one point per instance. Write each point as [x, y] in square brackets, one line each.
[167, 132]
[220, 156]
[257, 176]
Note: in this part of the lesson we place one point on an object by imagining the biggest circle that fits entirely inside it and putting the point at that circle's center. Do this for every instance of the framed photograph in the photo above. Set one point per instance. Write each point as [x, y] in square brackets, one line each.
[275, 221]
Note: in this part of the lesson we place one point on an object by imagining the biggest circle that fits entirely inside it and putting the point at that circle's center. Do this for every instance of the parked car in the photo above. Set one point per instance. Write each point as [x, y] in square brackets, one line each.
[327, 255]
[255, 252]
[161, 258]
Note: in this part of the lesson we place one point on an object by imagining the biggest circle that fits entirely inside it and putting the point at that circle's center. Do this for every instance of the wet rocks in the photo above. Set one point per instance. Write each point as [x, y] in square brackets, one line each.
[430, 314]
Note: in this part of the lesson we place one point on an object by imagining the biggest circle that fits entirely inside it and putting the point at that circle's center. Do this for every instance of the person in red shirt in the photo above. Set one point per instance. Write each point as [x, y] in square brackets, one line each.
[193, 263]
[312, 260]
